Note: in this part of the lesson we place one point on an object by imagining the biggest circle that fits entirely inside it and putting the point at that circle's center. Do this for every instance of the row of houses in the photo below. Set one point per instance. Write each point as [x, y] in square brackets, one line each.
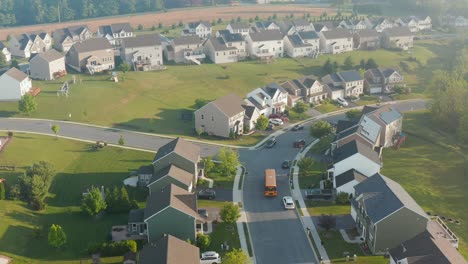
[380, 205]
[171, 216]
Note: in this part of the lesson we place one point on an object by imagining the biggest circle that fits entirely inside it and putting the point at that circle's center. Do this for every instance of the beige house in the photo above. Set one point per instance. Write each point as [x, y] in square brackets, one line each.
[64, 38]
[238, 28]
[29, 43]
[251, 115]
[143, 52]
[234, 40]
[382, 80]
[344, 84]
[265, 44]
[336, 41]
[308, 88]
[218, 52]
[222, 117]
[92, 55]
[202, 29]
[400, 38]
[366, 39]
[47, 66]
[185, 49]
[114, 33]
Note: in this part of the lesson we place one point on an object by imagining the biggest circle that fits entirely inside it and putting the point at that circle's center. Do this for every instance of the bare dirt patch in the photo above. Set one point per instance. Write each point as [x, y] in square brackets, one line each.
[177, 15]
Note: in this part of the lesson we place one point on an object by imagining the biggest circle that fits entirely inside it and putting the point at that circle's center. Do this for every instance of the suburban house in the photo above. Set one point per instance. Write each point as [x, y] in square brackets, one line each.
[381, 24]
[366, 39]
[379, 207]
[182, 153]
[114, 33]
[289, 27]
[344, 84]
[143, 52]
[234, 40]
[219, 52]
[324, 26]
[354, 25]
[202, 29]
[47, 65]
[308, 88]
[4, 50]
[29, 43]
[414, 23]
[302, 44]
[223, 117]
[382, 80]
[433, 246]
[251, 115]
[265, 44]
[92, 55]
[64, 38]
[185, 49]
[169, 250]
[455, 21]
[354, 155]
[400, 37]
[346, 181]
[171, 175]
[271, 99]
[366, 130]
[14, 84]
[264, 25]
[239, 28]
[336, 41]
[389, 119]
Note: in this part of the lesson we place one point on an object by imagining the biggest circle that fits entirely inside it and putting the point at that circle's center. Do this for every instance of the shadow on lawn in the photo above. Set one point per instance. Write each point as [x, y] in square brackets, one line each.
[7, 113]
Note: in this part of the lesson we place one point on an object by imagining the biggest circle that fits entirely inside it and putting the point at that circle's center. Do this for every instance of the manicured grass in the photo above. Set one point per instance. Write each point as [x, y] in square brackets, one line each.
[220, 235]
[78, 167]
[327, 107]
[313, 180]
[222, 181]
[433, 168]
[316, 208]
[154, 101]
[367, 100]
[210, 203]
[335, 246]
[321, 146]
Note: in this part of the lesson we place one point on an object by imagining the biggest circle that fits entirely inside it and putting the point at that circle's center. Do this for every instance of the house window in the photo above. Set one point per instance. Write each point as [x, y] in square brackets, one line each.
[212, 118]
[202, 116]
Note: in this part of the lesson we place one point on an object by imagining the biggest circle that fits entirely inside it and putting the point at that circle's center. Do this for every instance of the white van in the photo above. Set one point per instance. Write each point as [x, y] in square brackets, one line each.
[341, 101]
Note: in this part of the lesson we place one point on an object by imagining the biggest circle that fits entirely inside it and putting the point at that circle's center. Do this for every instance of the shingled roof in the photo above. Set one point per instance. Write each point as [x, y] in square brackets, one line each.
[230, 104]
[92, 44]
[188, 40]
[49, 56]
[146, 40]
[398, 32]
[169, 250]
[354, 147]
[180, 146]
[348, 176]
[16, 74]
[175, 172]
[266, 35]
[337, 33]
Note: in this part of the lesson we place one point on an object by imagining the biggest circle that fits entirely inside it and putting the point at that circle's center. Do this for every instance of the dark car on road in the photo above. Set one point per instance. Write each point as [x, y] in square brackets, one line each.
[208, 194]
[299, 143]
[297, 127]
[271, 142]
[286, 164]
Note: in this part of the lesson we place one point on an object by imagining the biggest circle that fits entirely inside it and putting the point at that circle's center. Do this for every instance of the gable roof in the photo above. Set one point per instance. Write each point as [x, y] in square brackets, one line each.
[196, 24]
[350, 76]
[296, 41]
[171, 196]
[249, 110]
[348, 176]
[354, 147]
[386, 113]
[343, 125]
[398, 32]
[92, 44]
[136, 215]
[70, 31]
[16, 74]
[175, 172]
[239, 25]
[230, 37]
[368, 33]
[49, 56]
[308, 35]
[337, 33]
[145, 40]
[230, 104]
[187, 40]
[180, 146]
[2, 46]
[382, 196]
[169, 250]
[272, 88]
[266, 35]
[115, 28]
[219, 44]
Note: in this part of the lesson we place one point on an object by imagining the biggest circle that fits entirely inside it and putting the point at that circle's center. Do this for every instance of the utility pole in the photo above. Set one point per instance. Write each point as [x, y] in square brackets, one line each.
[58, 10]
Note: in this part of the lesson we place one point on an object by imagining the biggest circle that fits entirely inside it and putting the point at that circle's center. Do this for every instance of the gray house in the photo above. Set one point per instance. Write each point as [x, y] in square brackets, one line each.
[143, 52]
[185, 49]
[171, 174]
[382, 80]
[92, 55]
[25, 45]
[366, 39]
[385, 214]
[400, 38]
[169, 250]
[47, 65]
[64, 38]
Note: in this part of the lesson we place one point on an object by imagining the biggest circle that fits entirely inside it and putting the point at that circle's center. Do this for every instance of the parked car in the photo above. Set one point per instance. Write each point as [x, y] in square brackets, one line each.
[271, 142]
[275, 116]
[208, 194]
[210, 257]
[269, 127]
[299, 143]
[276, 121]
[342, 101]
[283, 117]
[297, 127]
[288, 202]
[286, 164]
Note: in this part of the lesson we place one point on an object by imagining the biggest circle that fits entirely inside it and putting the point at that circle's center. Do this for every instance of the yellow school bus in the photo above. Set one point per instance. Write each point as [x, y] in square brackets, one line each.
[270, 183]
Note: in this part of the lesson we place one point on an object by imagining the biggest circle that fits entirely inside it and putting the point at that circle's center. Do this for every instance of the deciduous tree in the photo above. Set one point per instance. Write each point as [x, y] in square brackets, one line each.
[93, 202]
[55, 128]
[57, 237]
[229, 160]
[261, 123]
[27, 104]
[320, 129]
[230, 213]
[236, 256]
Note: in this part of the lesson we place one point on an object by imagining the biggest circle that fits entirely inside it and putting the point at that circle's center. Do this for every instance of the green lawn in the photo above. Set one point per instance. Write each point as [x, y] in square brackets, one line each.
[327, 107]
[313, 180]
[316, 208]
[434, 170]
[77, 166]
[220, 235]
[321, 146]
[210, 203]
[154, 101]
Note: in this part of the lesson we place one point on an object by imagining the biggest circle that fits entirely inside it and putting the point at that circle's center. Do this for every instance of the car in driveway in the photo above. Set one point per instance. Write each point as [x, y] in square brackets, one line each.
[341, 101]
[288, 202]
[299, 143]
[207, 194]
[210, 257]
[271, 142]
[297, 127]
[276, 121]
[286, 164]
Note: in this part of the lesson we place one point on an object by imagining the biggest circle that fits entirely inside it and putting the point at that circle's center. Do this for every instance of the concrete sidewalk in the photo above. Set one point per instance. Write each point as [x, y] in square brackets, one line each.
[306, 218]
[236, 199]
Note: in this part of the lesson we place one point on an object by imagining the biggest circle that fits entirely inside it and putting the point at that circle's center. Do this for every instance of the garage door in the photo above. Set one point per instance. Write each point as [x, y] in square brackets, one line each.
[375, 90]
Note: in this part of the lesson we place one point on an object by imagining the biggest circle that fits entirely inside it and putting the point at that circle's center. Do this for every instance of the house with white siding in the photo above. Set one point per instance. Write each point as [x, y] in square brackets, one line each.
[264, 25]
[92, 55]
[219, 52]
[115, 32]
[336, 41]
[381, 24]
[267, 43]
[308, 88]
[185, 49]
[64, 38]
[382, 80]
[399, 38]
[14, 84]
[26, 44]
[270, 99]
[344, 84]
[47, 66]
[143, 52]
[302, 44]
[202, 29]
[289, 27]
[366, 39]
[239, 28]
[5, 51]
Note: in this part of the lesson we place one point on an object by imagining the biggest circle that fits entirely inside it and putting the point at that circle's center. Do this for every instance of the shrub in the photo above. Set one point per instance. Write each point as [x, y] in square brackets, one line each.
[10, 134]
[203, 241]
[140, 27]
[342, 198]
[109, 249]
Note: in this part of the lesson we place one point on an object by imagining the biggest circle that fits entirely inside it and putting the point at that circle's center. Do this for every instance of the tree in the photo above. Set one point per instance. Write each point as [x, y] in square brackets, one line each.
[229, 161]
[261, 123]
[362, 64]
[328, 67]
[230, 213]
[34, 184]
[203, 241]
[209, 165]
[461, 130]
[300, 107]
[320, 129]
[239, 19]
[121, 140]
[306, 166]
[160, 25]
[220, 20]
[2, 191]
[257, 18]
[371, 64]
[55, 128]
[124, 67]
[236, 256]
[342, 198]
[57, 237]
[199, 103]
[27, 104]
[181, 24]
[327, 222]
[353, 114]
[93, 202]
[348, 63]
[124, 201]
[335, 66]
[140, 27]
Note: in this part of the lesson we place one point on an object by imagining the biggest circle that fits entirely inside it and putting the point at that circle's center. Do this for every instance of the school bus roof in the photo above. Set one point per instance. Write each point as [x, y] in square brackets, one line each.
[270, 177]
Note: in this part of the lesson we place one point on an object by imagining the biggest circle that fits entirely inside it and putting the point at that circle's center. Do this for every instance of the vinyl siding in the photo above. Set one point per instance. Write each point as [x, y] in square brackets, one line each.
[173, 222]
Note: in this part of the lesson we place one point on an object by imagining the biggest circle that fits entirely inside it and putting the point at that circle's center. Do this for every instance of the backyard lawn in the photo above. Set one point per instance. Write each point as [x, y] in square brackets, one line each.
[78, 166]
[317, 208]
[156, 101]
[434, 170]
